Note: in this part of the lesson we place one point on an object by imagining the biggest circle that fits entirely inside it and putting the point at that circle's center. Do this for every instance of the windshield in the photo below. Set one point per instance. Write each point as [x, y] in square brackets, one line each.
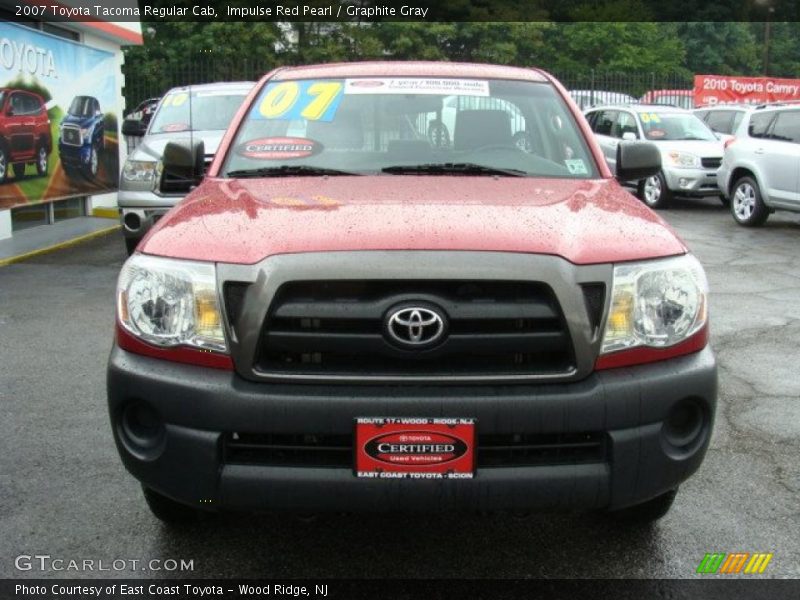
[81, 106]
[210, 110]
[406, 126]
[661, 126]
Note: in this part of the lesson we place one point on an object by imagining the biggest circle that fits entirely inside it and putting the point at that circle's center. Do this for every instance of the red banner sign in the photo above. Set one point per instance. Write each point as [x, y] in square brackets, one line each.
[710, 90]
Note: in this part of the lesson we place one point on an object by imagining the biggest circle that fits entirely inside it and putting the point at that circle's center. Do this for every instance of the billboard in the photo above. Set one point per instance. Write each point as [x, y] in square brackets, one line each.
[710, 90]
[58, 121]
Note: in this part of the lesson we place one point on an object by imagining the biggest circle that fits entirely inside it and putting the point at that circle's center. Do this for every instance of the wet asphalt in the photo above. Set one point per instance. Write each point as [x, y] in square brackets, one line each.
[64, 492]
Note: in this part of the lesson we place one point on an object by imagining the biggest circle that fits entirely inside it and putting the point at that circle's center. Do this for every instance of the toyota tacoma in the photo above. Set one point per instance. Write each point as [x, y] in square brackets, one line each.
[343, 316]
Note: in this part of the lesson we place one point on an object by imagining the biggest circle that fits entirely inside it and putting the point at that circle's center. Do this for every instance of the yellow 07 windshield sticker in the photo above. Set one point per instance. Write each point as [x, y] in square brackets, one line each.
[295, 100]
[649, 118]
[175, 99]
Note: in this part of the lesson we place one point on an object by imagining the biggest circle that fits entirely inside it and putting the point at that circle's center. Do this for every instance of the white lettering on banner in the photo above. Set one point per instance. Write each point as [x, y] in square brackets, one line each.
[19, 56]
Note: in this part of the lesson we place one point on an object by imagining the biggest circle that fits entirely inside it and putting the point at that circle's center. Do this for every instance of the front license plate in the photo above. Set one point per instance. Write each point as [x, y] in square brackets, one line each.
[414, 448]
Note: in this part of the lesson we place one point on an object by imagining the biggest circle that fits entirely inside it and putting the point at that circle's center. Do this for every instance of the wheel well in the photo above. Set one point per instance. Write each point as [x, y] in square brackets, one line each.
[737, 174]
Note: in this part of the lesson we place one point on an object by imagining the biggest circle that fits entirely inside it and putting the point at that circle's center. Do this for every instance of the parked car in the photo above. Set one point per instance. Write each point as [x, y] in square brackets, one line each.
[589, 98]
[723, 119]
[690, 152]
[676, 98]
[136, 121]
[760, 171]
[200, 112]
[82, 137]
[343, 316]
[25, 137]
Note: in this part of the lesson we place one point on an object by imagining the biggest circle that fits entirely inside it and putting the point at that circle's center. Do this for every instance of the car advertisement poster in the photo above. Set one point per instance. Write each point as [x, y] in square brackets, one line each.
[58, 125]
[710, 90]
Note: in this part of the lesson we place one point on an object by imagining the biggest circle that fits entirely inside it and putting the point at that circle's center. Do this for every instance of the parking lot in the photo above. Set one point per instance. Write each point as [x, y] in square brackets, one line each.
[65, 493]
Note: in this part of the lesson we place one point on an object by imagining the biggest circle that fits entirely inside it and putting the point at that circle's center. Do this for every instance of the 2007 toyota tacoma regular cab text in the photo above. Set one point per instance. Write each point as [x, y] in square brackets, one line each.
[358, 309]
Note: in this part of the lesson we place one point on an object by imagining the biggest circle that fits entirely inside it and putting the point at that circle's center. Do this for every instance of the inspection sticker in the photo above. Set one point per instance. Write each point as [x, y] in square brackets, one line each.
[576, 166]
[417, 85]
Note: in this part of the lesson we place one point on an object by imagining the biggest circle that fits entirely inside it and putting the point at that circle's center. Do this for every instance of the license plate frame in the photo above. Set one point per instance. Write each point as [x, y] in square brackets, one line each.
[424, 448]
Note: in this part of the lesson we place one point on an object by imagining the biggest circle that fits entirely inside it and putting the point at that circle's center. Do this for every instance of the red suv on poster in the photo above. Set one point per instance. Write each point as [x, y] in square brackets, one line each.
[24, 133]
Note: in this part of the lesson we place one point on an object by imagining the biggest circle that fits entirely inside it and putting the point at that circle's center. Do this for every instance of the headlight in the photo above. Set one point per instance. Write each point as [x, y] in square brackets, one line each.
[170, 302]
[684, 160]
[657, 303]
[140, 171]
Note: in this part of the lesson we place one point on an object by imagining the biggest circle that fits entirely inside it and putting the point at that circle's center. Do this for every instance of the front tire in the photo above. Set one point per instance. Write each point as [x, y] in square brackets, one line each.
[131, 243]
[94, 164]
[41, 161]
[3, 164]
[747, 206]
[647, 512]
[438, 135]
[169, 511]
[19, 170]
[654, 192]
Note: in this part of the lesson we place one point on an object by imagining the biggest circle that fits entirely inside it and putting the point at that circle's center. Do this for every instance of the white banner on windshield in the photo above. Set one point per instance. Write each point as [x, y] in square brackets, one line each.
[417, 85]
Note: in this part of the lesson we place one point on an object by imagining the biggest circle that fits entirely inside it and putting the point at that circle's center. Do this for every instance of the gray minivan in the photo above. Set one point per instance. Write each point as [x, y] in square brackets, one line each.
[202, 112]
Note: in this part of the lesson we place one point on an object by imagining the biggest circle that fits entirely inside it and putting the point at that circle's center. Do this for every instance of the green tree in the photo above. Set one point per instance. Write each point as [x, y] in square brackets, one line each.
[720, 48]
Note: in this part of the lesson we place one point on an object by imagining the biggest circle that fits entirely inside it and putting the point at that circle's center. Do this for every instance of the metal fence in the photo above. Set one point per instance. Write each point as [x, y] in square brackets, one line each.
[588, 87]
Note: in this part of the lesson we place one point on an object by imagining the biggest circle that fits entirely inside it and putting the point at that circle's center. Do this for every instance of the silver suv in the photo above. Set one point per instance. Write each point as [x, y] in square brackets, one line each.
[760, 172]
[202, 112]
[690, 152]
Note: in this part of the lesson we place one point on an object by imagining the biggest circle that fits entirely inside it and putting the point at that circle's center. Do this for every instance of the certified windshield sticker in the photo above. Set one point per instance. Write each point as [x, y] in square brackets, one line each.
[279, 148]
[576, 167]
[416, 85]
[296, 100]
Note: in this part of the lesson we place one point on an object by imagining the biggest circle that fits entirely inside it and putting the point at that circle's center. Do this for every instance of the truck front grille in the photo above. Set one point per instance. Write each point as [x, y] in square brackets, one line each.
[496, 329]
[493, 450]
[71, 135]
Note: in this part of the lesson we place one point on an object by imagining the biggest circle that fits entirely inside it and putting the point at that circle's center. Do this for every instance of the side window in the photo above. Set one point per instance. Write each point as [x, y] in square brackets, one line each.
[737, 118]
[590, 118]
[787, 127]
[721, 121]
[605, 122]
[702, 114]
[626, 123]
[759, 123]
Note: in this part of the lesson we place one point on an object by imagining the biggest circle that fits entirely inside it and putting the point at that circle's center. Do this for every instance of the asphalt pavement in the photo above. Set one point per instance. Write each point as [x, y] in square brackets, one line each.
[64, 492]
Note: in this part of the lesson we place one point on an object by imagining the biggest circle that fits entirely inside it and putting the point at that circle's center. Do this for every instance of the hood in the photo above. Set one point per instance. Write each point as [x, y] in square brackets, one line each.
[153, 144]
[245, 220]
[702, 149]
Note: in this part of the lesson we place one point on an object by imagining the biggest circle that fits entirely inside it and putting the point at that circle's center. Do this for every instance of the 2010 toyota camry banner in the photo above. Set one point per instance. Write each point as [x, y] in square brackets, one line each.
[58, 128]
[710, 90]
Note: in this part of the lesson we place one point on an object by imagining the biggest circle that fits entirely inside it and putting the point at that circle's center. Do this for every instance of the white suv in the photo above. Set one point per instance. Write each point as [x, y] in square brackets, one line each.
[760, 170]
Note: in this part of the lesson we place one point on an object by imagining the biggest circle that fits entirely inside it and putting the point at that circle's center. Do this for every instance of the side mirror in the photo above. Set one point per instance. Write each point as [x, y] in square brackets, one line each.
[10, 111]
[637, 160]
[133, 127]
[629, 136]
[185, 159]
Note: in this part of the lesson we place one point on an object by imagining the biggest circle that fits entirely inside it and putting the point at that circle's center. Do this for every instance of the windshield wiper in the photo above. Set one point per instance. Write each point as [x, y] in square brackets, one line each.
[287, 171]
[450, 168]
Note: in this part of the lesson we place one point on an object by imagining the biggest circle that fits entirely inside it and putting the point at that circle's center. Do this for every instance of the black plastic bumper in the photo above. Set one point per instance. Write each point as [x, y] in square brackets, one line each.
[198, 406]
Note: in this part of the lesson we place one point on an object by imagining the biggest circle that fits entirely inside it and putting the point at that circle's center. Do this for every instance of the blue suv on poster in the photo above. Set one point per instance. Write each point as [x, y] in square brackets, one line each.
[81, 137]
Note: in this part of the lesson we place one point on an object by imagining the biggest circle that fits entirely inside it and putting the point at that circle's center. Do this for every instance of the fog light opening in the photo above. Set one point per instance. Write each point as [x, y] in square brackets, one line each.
[685, 424]
[142, 427]
[132, 221]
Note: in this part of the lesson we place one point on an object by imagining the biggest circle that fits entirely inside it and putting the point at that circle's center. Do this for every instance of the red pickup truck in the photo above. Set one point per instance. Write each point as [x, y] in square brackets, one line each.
[25, 136]
[346, 315]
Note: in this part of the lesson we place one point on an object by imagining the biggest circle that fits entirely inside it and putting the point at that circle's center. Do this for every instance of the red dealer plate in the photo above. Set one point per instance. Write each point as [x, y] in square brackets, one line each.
[414, 448]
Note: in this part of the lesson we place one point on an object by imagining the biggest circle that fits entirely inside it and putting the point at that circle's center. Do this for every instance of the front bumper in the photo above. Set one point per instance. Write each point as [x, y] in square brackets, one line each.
[199, 407]
[692, 182]
[76, 156]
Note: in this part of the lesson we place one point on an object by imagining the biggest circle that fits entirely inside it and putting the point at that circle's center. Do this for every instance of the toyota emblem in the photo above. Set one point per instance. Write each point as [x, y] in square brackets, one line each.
[415, 326]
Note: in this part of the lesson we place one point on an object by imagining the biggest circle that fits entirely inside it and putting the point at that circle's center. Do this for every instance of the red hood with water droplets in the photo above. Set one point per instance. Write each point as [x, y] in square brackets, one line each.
[245, 220]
